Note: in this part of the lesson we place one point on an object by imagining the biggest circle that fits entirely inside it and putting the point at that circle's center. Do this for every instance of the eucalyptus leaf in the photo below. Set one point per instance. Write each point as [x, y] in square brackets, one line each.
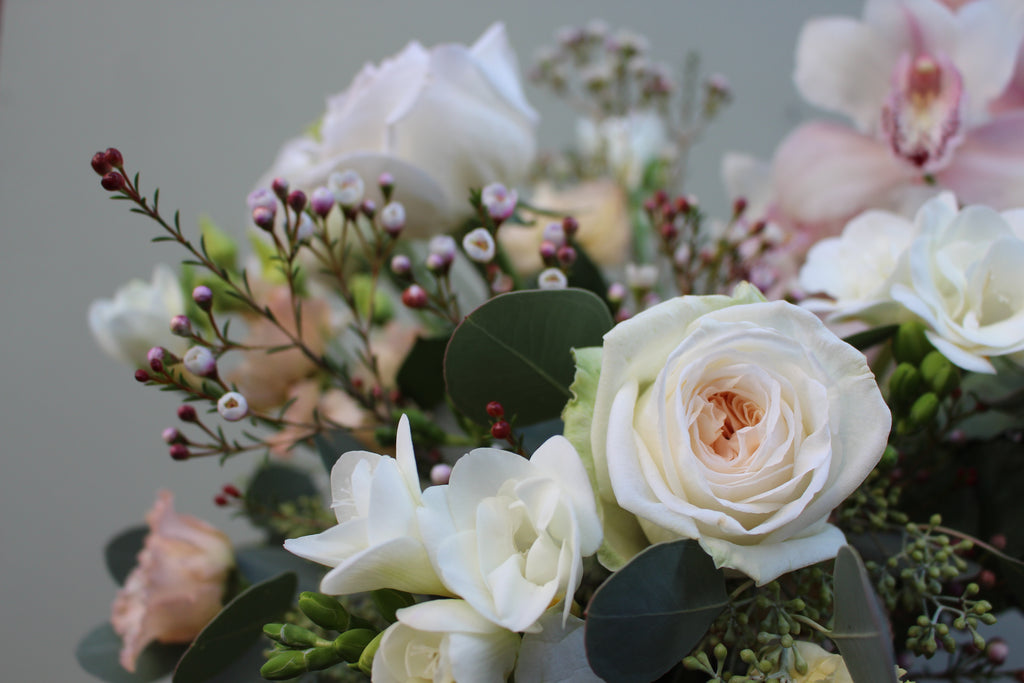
[585, 274]
[122, 552]
[421, 376]
[868, 338]
[273, 485]
[861, 627]
[516, 349]
[232, 632]
[98, 653]
[331, 445]
[261, 562]
[651, 613]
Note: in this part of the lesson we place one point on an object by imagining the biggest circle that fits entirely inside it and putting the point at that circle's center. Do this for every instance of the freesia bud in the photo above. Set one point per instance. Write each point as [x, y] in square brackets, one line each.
[200, 361]
[232, 406]
[324, 611]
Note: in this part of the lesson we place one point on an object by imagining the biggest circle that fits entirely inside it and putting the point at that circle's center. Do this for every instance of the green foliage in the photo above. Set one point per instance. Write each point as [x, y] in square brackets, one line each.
[257, 563]
[421, 376]
[283, 500]
[98, 652]
[389, 601]
[873, 337]
[515, 349]
[235, 629]
[330, 445]
[861, 629]
[651, 613]
[121, 552]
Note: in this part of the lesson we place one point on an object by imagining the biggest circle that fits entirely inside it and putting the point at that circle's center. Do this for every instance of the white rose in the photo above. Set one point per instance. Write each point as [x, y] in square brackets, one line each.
[439, 121]
[442, 641]
[966, 281]
[626, 144]
[376, 543]
[508, 534]
[139, 318]
[736, 422]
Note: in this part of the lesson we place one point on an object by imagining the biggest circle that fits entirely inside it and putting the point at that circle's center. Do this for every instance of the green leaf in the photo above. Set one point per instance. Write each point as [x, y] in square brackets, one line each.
[516, 349]
[421, 376]
[233, 631]
[122, 552]
[651, 613]
[868, 338]
[98, 652]
[861, 630]
[331, 445]
[586, 275]
[273, 485]
[261, 562]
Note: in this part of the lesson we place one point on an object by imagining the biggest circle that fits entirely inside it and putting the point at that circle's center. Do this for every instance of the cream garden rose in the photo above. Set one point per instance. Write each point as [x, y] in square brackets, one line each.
[734, 421]
[439, 121]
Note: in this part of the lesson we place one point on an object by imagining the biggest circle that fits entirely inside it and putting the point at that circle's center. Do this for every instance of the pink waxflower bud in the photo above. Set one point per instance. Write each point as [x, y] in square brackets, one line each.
[570, 226]
[368, 207]
[113, 182]
[305, 228]
[262, 197]
[141, 376]
[297, 200]
[280, 188]
[554, 233]
[392, 218]
[155, 357]
[548, 250]
[321, 201]
[386, 183]
[566, 255]
[440, 474]
[178, 451]
[232, 406]
[347, 187]
[187, 413]
[263, 218]
[617, 292]
[203, 296]
[181, 326]
[552, 278]
[499, 201]
[414, 297]
[479, 245]
[100, 164]
[200, 361]
[171, 436]
[401, 265]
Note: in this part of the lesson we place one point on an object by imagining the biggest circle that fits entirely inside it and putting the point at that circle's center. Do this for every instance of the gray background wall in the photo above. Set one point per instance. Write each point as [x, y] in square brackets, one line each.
[198, 96]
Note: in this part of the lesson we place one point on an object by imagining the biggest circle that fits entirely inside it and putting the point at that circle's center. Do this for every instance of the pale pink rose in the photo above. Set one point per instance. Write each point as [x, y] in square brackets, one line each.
[178, 585]
[933, 93]
[265, 379]
[600, 208]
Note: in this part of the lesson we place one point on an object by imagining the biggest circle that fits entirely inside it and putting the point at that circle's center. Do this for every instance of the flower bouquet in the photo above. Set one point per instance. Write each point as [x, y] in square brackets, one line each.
[540, 417]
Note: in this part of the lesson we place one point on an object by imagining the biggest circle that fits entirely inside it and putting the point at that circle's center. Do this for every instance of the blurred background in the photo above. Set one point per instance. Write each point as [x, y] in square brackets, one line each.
[199, 96]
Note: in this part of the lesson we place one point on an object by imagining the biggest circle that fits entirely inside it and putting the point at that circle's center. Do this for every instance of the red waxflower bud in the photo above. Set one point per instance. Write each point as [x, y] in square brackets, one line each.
[113, 157]
[112, 181]
[501, 430]
[495, 409]
[99, 164]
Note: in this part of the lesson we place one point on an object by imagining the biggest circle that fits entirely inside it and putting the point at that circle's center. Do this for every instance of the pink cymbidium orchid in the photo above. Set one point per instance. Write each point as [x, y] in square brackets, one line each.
[932, 90]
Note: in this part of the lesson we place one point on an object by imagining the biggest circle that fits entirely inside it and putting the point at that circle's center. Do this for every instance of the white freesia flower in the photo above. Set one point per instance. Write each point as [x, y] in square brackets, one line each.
[440, 121]
[857, 269]
[556, 653]
[966, 281]
[443, 641]
[736, 422]
[377, 543]
[508, 535]
[138, 318]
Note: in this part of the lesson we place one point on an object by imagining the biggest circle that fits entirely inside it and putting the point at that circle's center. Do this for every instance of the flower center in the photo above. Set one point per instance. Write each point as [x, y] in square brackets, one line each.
[725, 422]
[921, 117]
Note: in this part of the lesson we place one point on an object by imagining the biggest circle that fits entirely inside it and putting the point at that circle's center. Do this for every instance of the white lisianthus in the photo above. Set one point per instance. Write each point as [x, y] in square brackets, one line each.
[139, 317]
[377, 543]
[508, 534]
[440, 121]
[966, 281]
[733, 421]
[443, 641]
